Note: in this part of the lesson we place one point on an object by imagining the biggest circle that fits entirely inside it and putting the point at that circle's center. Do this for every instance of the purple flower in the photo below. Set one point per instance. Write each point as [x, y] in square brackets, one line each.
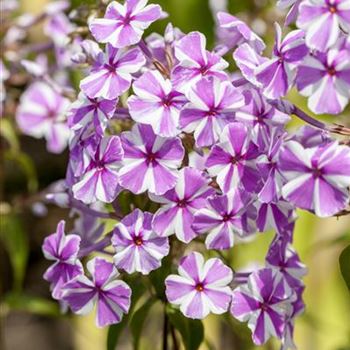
[277, 74]
[150, 161]
[111, 76]
[200, 287]
[138, 247]
[210, 108]
[325, 78]
[323, 20]
[86, 111]
[293, 11]
[234, 32]
[224, 218]
[123, 25]
[63, 250]
[100, 179]
[274, 215]
[260, 116]
[179, 205]
[195, 62]
[156, 104]
[111, 295]
[282, 256]
[264, 302]
[317, 178]
[41, 113]
[233, 160]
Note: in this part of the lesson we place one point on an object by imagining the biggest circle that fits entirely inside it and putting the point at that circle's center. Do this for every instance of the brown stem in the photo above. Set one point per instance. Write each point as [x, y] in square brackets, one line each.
[173, 336]
[165, 330]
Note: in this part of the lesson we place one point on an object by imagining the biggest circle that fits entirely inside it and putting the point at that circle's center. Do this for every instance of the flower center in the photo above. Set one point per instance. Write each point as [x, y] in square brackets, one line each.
[182, 203]
[332, 9]
[199, 287]
[235, 159]
[151, 158]
[331, 71]
[138, 241]
[166, 101]
[226, 217]
[316, 173]
[263, 307]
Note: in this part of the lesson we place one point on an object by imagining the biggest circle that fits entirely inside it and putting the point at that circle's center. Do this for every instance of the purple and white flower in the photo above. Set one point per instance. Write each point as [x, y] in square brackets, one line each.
[200, 287]
[233, 160]
[317, 178]
[86, 111]
[138, 247]
[264, 303]
[156, 103]
[234, 32]
[100, 178]
[111, 296]
[150, 161]
[123, 25]
[63, 250]
[277, 75]
[210, 108]
[323, 21]
[226, 217]
[180, 203]
[325, 79]
[111, 74]
[41, 113]
[293, 12]
[195, 62]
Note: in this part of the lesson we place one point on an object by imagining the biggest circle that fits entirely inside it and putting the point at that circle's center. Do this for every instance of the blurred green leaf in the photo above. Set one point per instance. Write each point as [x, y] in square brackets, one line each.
[115, 331]
[16, 244]
[192, 331]
[158, 277]
[344, 262]
[138, 320]
[8, 133]
[27, 166]
[77, 3]
[32, 304]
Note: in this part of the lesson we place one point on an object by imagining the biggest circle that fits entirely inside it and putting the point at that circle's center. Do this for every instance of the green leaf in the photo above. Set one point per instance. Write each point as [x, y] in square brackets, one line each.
[8, 133]
[115, 331]
[32, 304]
[158, 277]
[192, 331]
[138, 319]
[27, 166]
[344, 262]
[16, 244]
[77, 3]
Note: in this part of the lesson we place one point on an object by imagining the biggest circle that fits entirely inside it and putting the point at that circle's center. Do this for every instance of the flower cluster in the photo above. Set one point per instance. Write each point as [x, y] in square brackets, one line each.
[173, 148]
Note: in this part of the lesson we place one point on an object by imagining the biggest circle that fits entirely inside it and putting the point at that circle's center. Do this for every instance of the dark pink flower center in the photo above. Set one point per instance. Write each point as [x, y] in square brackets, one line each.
[199, 287]
[316, 172]
[226, 217]
[331, 71]
[138, 241]
[235, 159]
[167, 101]
[182, 203]
[332, 8]
[151, 158]
[263, 306]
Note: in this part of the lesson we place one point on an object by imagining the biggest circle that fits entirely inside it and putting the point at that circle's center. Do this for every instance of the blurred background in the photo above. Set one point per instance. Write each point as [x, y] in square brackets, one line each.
[31, 320]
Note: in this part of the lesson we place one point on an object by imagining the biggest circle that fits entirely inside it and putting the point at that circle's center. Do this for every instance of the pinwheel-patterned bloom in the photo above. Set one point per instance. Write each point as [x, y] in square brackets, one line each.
[323, 20]
[41, 113]
[281, 255]
[86, 111]
[195, 62]
[124, 25]
[111, 295]
[225, 217]
[156, 104]
[63, 250]
[176, 215]
[100, 178]
[234, 32]
[325, 78]
[264, 302]
[211, 107]
[232, 161]
[150, 161]
[138, 247]
[111, 74]
[317, 178]
[277, 75]
[200, 287]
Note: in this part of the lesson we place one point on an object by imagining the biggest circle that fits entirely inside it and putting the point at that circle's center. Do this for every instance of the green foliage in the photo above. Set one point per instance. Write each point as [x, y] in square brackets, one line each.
[115, 331]
[16, 243]
[77, 3]
[32, 304]
[192, 331]
[138, 320]
[344, 262]
[158, 277]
